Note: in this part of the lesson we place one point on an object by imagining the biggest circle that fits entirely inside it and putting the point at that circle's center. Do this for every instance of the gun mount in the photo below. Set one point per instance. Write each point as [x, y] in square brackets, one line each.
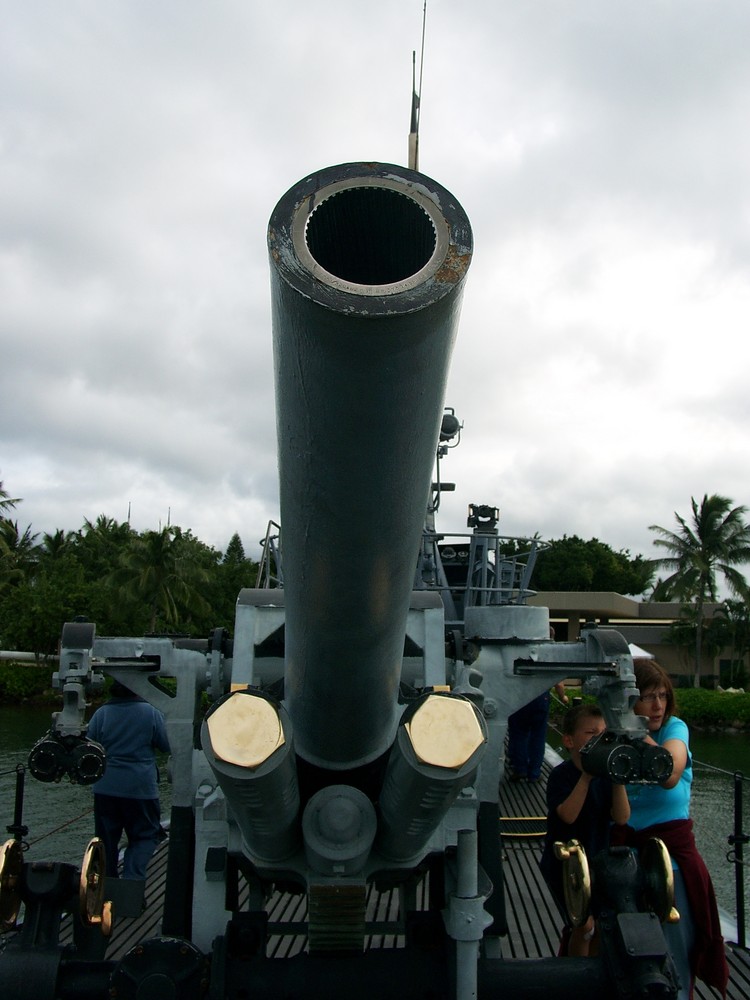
[357, 722]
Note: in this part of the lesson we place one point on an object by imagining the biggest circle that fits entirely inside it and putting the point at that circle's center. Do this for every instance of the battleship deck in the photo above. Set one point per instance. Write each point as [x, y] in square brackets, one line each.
[533, 920]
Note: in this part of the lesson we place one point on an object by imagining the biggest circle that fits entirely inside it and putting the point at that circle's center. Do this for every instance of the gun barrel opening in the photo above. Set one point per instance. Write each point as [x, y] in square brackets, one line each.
[371, 236]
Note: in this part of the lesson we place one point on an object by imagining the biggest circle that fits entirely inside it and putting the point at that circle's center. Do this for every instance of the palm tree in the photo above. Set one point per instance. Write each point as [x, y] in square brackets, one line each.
[716, 541]
[162, 570]
[56, 545]
[19, 554]
[19, 548]
[731, 623]
[101, 544]
[7, 502]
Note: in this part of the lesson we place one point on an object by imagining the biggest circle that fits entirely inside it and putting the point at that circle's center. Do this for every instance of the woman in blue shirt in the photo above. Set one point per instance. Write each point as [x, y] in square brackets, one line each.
[663, 811]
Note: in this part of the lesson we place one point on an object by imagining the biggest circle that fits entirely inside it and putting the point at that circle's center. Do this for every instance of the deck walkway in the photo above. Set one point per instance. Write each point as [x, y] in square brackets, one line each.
[533, 919]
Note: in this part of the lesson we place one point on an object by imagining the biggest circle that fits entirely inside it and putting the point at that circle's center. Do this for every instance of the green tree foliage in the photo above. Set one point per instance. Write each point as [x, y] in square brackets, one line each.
[100, 544]
[570, 563]
[234, 572]
[712, 709]
[33, 612]
[6, 570]
[683, 633]
[164, 572]
[18, 553]
[99, 547]
[128, 583]
[235, 554]
[730, 629]
[21, 681]
[715, 541]
[7, 502]
[58, 544]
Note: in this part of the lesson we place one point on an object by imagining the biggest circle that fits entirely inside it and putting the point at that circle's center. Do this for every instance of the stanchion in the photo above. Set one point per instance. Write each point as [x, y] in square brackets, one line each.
[17, 828]
[737, 840]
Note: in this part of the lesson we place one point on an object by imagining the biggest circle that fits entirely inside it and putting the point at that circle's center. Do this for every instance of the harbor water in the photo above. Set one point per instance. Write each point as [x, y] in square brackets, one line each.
[60, 819]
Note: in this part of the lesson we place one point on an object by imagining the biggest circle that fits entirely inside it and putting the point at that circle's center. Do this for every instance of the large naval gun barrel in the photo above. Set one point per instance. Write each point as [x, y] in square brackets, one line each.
[368, 262]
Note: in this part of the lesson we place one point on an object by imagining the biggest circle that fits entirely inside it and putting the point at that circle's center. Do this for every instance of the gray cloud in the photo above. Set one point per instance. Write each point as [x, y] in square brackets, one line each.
[599, 149]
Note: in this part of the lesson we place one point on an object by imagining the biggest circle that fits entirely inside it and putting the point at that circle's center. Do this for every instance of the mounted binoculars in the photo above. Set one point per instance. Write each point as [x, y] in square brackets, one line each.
[626, 760]
[54, 756]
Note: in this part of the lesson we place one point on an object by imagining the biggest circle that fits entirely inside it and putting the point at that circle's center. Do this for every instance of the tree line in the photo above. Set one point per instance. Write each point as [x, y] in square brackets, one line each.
[702, 552]
[168, 581]
[128, 582]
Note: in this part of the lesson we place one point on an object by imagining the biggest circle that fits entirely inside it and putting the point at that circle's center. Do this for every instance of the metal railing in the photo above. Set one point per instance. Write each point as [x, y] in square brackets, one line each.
[475, 570]
[736, 840]
[269, 569]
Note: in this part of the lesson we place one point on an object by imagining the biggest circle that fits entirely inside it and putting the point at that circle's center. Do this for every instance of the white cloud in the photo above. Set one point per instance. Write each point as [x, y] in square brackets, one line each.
[600, 151]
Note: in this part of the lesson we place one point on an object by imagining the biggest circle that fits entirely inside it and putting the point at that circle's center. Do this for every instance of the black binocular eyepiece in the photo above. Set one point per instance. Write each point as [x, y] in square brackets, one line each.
[626, 760]
[54, 756]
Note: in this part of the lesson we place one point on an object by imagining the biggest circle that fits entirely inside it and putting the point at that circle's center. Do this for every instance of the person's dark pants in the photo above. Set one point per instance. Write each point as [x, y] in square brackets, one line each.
[527, 736]
[140, 819]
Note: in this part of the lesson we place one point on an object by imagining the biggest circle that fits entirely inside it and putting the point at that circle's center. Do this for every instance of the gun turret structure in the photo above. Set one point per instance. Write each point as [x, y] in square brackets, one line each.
[355, 736]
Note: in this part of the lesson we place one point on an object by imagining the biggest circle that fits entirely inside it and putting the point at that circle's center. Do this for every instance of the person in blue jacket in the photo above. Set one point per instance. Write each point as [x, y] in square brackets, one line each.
[126, 797]
[527, 737]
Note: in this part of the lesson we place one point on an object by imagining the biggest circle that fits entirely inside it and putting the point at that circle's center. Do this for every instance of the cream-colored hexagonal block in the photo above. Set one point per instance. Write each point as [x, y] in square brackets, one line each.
[245, 730]
[445, 732]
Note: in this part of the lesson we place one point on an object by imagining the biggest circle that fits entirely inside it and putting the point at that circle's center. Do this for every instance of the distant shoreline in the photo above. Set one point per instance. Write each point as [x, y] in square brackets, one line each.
[30, 684]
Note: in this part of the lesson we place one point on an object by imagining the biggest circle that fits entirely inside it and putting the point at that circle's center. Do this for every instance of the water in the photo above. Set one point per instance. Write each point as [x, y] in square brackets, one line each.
[61, 822]
[712, 807]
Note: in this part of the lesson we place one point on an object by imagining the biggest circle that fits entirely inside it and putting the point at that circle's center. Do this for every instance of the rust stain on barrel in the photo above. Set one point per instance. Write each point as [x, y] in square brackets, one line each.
[454, 266]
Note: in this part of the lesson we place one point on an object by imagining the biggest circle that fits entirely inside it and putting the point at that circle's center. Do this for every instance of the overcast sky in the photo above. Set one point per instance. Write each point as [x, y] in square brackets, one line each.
[600, 148]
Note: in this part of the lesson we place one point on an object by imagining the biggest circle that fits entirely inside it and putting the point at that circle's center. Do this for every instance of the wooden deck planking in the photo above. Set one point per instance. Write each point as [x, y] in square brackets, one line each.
[738, 987]
[285, 908]
[534, 922]
[383, 908]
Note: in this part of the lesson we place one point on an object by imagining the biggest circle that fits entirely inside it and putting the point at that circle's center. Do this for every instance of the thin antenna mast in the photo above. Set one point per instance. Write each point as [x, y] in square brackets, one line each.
[416, 98]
